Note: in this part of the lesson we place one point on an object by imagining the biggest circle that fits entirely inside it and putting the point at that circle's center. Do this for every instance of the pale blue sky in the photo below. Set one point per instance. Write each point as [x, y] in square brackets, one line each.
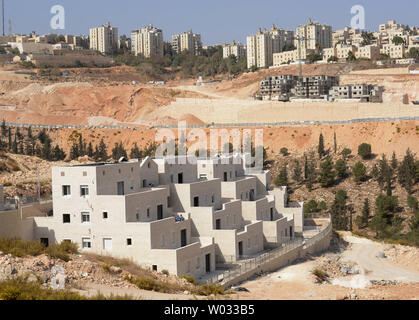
[218, 21]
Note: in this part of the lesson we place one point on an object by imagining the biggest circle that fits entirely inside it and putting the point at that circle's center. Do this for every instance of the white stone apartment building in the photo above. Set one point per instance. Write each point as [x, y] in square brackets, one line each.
[234, 49]
[104, 38]
[371, 52]
[393, 51]
[132, 209]
[315, 35]
[147, 42]
[262, 46]
[291, 56]
[188, 41]
[341, 51]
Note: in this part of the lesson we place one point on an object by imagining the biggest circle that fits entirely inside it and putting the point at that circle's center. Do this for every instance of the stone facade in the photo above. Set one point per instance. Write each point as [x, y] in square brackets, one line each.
[169, 213]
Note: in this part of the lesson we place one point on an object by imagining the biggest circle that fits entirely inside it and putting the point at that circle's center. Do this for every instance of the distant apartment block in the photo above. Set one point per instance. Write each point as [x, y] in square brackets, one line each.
[168, 214]
[287, 57]
[314, 35]
[344, 36]
[104, 38]
[341, 51]
[234, 49]
[187, 41]
[371, 52]
[147, 42]
[361, 92]
[315, 86]
[277, 87]
[394, 51]
[262, 46]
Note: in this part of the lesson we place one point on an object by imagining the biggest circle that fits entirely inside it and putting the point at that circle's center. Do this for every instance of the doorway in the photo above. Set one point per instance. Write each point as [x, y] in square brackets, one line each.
[180, 178]
[208, 263]
[183, 238]
[121, 188]
[196, 201]
[272, 214]
[225, 177]
[240, 248]
[218, 224]
[160, 212]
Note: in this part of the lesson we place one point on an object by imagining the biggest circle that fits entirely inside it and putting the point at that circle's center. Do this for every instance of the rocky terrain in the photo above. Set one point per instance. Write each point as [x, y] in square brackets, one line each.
[87, 275]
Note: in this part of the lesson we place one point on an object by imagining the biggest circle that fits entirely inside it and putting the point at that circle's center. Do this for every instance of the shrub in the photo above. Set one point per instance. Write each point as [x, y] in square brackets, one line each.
[20, 248]
[190, 279]
[346, 152]
[19, 289]
[359, 171]
[364, 150]
[165, 272]
[412, 202]
[311, 207]
[55, 251]
[321, 276]
[284, 151]
[322, 206]
[209, 289]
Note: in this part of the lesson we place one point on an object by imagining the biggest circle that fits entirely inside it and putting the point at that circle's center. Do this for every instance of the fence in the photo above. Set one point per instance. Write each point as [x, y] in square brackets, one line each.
[219, 125]
[287, 123]
[252, 264]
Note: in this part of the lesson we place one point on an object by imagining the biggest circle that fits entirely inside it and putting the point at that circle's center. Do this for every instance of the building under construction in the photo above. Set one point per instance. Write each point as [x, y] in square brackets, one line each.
[277, 87]
[314, 87]
[361, 92]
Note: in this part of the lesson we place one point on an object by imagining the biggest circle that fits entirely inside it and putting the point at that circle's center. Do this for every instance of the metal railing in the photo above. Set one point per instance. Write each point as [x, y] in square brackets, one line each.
[245, 266]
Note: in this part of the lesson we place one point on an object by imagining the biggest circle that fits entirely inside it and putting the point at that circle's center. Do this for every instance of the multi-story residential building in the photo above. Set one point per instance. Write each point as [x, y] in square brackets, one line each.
[147, 42]
[280, 38]
[234, 49]
[344, 36]
[371, 52]
[390, 26]
[340, 51]
[187, 41]
[168, 214]
[277, 87]
[361, 92]
[315, 35]
[315, 86]
[291, 56]
[259, 50]
[262, 46]
[393, 51]
[104, 38]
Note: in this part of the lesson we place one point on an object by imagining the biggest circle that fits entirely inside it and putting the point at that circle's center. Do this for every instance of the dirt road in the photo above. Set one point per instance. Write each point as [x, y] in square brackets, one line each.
[297, 282]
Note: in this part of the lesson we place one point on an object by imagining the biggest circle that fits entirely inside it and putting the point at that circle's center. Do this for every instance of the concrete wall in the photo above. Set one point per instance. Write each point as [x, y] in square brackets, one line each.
[250, 111]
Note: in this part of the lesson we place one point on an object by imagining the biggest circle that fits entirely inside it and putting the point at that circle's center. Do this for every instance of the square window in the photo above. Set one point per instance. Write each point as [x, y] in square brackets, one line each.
[105, 215]
[129, 242]
[86, 243]
[62, 173]
[84, 191]
[66, 191]
[66, 218]
[85, 217]
[84, 173]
